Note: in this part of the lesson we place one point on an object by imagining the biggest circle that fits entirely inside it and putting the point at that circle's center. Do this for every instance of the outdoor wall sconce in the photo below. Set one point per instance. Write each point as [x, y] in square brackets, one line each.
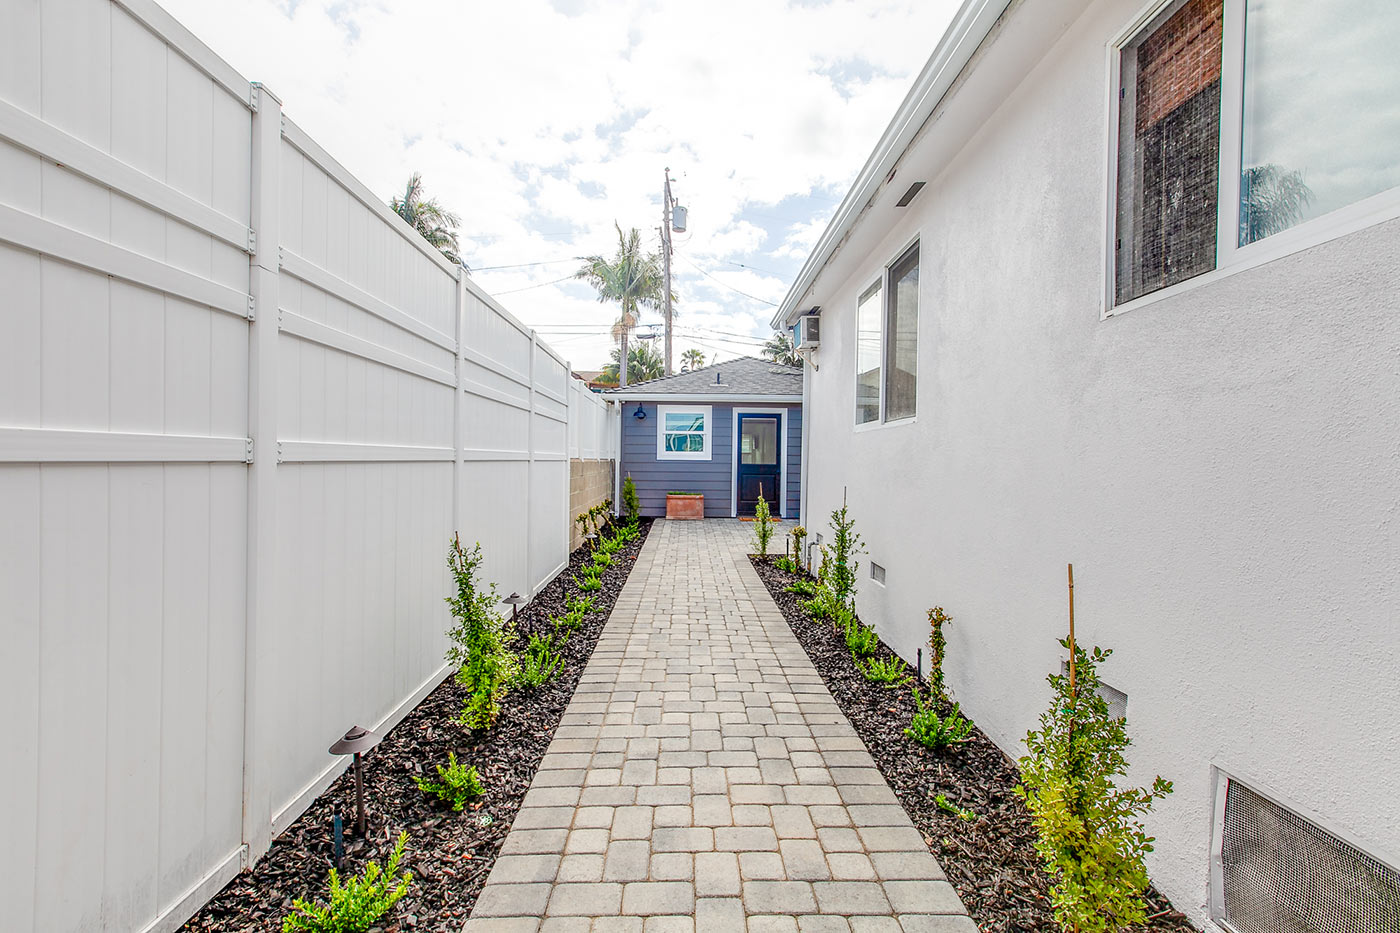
[514, 601]
[357, 741]
[641, 413]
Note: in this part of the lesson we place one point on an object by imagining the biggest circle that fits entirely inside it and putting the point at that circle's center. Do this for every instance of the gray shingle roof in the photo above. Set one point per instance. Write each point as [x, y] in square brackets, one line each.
[745, 376]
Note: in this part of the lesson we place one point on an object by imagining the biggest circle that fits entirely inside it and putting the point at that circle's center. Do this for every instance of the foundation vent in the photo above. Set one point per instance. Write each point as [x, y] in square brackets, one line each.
[1279, 872]
[1116, 699]
[877, 573]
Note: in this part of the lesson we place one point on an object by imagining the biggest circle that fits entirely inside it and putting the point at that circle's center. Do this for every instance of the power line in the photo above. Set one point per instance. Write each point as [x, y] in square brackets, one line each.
[511, 291]
[522, 265]
[772, 304]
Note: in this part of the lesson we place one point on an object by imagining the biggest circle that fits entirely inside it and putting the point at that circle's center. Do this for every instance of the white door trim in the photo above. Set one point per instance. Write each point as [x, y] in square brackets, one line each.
[782, 414]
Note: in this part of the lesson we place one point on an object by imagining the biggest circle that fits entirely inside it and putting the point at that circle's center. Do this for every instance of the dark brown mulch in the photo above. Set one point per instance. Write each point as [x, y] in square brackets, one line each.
[991, 860]
[450, 854]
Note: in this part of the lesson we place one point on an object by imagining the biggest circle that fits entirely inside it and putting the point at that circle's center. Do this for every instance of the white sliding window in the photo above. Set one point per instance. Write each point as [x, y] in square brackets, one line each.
[1239, 123]
[869, 314]
[887, 344]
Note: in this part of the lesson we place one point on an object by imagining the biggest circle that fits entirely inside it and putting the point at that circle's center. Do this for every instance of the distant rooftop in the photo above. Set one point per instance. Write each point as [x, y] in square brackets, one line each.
[746, 376]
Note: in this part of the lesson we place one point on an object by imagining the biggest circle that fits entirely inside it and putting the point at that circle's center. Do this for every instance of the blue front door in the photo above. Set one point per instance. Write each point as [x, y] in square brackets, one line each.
[760, 462]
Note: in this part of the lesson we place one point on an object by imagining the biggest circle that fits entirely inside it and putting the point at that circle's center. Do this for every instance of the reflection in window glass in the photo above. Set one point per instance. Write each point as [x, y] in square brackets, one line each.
[685, 432]
[1321, 109]
[902, 347]
[759, 445]
[868, 356]
[1169, 149]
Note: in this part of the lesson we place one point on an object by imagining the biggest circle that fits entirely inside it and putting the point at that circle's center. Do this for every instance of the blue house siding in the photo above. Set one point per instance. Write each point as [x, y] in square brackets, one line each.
[714, 477]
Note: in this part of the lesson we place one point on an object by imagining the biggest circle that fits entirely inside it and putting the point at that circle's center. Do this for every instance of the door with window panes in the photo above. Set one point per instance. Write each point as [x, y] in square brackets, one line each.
[760, 463]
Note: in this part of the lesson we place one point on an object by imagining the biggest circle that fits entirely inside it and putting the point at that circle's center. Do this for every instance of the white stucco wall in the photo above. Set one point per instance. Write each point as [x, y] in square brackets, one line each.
[1221, 467]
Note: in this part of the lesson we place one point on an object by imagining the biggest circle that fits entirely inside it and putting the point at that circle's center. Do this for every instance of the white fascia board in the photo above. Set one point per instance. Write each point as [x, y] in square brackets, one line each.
[694, 397]
[971, 25]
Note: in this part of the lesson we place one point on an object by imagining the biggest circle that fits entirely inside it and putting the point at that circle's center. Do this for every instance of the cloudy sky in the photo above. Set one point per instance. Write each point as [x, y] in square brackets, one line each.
[543, 122]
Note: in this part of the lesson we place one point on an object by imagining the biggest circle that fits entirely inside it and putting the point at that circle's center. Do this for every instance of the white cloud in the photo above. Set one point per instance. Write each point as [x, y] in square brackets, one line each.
[541, 123]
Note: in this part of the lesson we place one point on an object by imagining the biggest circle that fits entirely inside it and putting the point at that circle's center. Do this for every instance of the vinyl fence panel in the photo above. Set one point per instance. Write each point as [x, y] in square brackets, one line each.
[243, 408]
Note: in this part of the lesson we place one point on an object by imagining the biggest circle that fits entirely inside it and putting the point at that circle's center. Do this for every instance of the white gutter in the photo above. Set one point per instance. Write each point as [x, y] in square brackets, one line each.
[974, 20]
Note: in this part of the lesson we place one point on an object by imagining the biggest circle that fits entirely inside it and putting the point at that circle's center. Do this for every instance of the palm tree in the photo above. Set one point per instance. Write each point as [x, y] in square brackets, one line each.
[434, 223]
[692, 359]
[632, 279]
[643, 363]
[779, 349]
[1272, 198]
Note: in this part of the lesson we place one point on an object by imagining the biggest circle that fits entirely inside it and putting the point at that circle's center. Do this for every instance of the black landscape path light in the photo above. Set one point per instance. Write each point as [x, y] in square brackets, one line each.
[515, 601]
[357, 741]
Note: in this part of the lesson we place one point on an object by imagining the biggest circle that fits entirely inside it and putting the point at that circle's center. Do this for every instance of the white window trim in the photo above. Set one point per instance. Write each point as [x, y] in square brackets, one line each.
[885, 297]
[662, 453]
[782, 461]
[1230, 258]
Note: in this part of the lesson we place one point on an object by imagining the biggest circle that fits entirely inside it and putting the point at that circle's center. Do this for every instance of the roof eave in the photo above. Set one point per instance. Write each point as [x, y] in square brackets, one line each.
[971, 25]
[691, 397]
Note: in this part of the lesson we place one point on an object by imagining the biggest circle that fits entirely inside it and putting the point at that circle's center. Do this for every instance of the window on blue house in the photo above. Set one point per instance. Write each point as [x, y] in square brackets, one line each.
[683, 432]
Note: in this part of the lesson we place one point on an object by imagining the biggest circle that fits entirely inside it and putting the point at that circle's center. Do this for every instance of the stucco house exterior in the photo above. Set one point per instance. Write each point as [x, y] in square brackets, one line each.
[1119, 287]
[678, 434]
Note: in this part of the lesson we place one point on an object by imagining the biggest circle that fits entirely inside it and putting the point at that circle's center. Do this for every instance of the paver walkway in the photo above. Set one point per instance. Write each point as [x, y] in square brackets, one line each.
[704, 779]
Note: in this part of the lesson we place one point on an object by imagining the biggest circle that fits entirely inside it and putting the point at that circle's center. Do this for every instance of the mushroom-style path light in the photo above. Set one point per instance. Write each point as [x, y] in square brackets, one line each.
[357, 741]
[515, 601]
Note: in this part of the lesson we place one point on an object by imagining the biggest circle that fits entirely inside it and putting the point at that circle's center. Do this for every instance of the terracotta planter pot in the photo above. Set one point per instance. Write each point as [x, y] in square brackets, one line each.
[685, 507]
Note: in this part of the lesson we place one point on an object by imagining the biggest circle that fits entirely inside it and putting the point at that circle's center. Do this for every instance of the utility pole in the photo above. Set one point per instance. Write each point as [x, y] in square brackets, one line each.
[666, 260]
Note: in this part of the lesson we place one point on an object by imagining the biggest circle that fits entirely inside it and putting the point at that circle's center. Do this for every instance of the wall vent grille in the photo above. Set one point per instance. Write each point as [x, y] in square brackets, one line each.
[877, 573]
[1278, 872]
[1116, 699]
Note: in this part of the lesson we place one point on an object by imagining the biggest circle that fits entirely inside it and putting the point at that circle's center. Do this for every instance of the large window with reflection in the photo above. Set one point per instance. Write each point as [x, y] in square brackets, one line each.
[1242, 120]
[887, 343]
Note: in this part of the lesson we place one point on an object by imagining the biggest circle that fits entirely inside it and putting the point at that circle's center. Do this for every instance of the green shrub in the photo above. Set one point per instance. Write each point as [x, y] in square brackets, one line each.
[479, 639]
[935, 732]
[602, 559]
[631, 505]
[582, 605]
[799, 537]
[861, 639]
[786, 564]
[592, 579]
[358, 904]
[1090, 833]
[961, 813]
[845, 545]
[802, 588]
[456, 785]
[891, 672]
[762, 527]
[938, 646]
[541, 662]
[823, 604]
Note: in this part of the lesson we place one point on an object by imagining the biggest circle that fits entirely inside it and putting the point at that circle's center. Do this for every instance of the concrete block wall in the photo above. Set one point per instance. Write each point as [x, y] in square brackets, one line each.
[590, 482]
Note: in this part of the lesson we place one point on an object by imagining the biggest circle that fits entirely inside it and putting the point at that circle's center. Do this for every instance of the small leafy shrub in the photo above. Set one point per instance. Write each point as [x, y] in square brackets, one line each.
[937, 732]
[938, 646]
[861, 639]
[356, 905]
[799, 537]
[806, 588]
[845, 546]
[456, 786]
[631, 505]
[1090, 831]
[762, 527]
[592, 579]
[568, 623]
[786, 564]
[582, 605]
[478, 639]
[540, 663]
[602, 559]
[961, 813]
[823, 604]
[891, 672]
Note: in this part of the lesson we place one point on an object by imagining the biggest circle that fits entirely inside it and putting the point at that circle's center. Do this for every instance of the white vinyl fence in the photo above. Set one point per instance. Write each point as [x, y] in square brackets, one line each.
[243, 408]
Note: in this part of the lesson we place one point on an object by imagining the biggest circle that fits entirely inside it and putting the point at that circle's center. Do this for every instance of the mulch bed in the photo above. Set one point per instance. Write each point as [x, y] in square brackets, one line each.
[991, 860]
[450, 854]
